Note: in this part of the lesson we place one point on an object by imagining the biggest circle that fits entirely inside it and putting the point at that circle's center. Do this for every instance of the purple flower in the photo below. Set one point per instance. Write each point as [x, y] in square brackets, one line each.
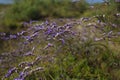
[37, 28]
[5, 38]
[118, 33]
[35, 34]
[37, 59]
[54, 23]
[57, 34]
[2, 34]
[21, 74]
[13, 36]
[109, 33]
[25, 24]
[11, 71]
[68, 27]
[18, 79]
[28, 38]
[25, 43]
[30, 64]
[22, 64]
[117, 14]
[63, 41]
[73, 33]
[114, 25]
[48, 45]
[28, 53]
[46, 22]
[48, 31]
[98, 21]
[21, 33]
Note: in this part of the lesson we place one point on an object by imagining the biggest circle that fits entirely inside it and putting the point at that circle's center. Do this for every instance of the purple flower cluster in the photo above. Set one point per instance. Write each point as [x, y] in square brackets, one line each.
[24, 69]
[10, 72]
[47, 35]
[47, 31]
[27, 71]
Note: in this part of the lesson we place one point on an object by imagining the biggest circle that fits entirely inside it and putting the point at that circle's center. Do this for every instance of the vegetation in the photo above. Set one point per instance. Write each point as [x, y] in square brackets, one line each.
[70, 43]
[25, 10]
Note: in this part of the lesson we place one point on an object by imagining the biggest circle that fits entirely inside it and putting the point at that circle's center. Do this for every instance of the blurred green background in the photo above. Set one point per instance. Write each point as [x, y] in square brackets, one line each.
[26, 10]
